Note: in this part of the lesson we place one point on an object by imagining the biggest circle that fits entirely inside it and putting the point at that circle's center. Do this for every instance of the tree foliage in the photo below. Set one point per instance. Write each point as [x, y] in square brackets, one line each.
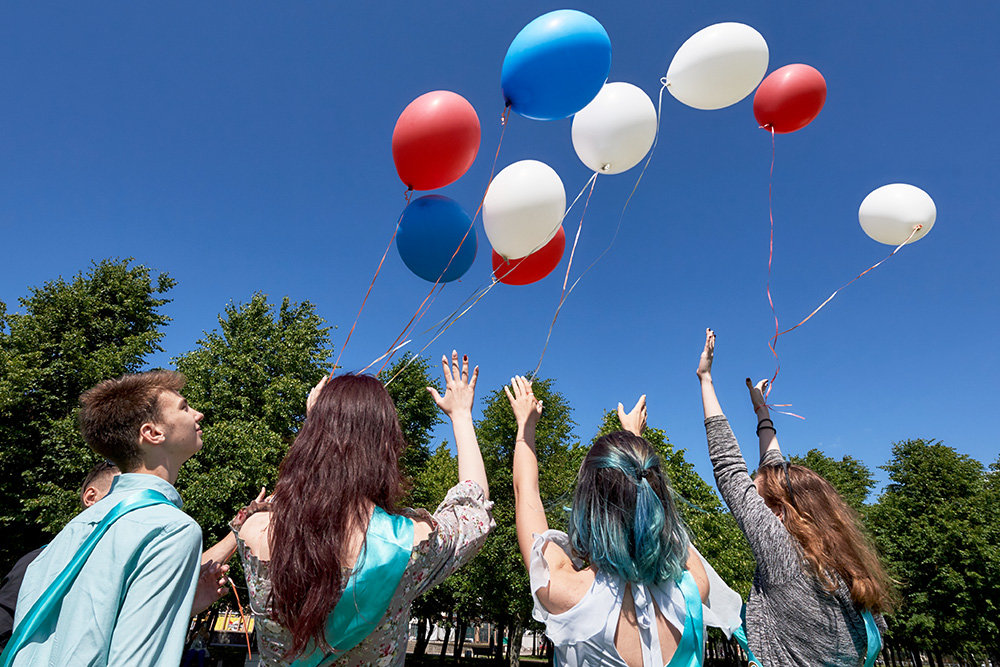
[850, 477]
[250, 377]
[67, 336]
[408, 379]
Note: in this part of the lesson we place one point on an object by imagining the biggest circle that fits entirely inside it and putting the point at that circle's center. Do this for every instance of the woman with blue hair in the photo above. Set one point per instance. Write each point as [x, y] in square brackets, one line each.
[624, 588]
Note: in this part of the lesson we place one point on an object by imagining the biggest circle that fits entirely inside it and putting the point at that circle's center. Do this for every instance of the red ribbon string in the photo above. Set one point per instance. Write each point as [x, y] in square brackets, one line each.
[243, 619]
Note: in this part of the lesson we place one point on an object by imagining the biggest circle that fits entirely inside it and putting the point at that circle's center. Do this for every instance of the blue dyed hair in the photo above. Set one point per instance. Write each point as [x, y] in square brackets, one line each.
[623, 517]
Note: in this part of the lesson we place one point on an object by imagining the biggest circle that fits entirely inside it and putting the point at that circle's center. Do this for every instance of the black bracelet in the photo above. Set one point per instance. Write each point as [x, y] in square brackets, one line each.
[765, 419]
[759, 427]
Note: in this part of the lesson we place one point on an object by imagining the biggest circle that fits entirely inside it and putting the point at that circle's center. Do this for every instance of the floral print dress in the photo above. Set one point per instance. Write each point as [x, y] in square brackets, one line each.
[460, 526]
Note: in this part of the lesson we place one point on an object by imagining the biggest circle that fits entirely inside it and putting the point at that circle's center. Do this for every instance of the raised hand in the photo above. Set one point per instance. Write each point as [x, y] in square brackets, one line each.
[527, 409]
[314, 394]
[634, 421]
[460, 388]
[707, 355]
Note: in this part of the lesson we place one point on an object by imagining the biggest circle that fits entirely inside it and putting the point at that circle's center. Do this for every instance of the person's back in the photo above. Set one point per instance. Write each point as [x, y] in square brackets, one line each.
[624, 588]
[107, 616]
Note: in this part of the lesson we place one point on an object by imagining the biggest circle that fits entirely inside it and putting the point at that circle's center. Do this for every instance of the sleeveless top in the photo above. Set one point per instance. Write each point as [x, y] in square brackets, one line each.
[584, 635]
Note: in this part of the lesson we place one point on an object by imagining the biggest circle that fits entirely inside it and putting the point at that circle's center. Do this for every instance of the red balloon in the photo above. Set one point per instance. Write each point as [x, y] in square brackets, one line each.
[436, 140]
[789, 98]
[534, 267]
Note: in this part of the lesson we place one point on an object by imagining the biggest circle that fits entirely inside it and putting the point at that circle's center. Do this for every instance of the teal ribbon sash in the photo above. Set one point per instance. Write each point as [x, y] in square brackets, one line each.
[369, 590]
[53, 595]
[691, 648]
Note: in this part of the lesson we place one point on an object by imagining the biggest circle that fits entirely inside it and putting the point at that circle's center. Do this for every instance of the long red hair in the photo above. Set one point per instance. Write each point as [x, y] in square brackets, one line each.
[344, 461]
[830, 534]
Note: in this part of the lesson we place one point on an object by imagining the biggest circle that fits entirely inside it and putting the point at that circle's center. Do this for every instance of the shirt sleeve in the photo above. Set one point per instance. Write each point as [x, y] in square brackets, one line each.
[772, 546]
[156, 605]
[460, 526]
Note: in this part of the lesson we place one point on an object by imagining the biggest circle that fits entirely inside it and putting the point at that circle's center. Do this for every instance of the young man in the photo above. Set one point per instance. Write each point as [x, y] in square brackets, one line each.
[131, 602]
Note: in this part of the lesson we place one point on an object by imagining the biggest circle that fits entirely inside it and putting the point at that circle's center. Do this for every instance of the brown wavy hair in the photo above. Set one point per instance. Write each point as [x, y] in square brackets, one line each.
[343, 461]
[830, 534]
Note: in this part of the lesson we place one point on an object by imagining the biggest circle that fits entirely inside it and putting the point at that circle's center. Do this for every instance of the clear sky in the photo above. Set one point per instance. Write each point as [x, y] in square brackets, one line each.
[246, 146]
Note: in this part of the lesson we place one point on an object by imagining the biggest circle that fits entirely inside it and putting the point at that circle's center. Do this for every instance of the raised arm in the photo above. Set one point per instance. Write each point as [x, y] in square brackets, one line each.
[709, 401]
[635, 421]
[459, 395]
[529, 515]
[767, 435]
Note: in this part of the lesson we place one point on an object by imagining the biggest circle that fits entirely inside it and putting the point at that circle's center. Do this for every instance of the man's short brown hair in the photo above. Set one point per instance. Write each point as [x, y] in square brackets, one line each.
[114, 410]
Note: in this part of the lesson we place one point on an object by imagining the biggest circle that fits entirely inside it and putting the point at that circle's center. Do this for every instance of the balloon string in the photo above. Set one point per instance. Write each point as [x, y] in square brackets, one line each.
[336, 364]
[916, 228]
[562, 297]
[770, 260]
[472, 223]
[628, 200]
[414, 320]
[243, 619]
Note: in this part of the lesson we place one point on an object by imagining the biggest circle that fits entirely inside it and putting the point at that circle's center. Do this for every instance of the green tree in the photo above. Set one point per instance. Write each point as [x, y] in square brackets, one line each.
[931, 527]
[850, 477]
[251, 378]
[408, 379]
[67, 336]
[501, 582]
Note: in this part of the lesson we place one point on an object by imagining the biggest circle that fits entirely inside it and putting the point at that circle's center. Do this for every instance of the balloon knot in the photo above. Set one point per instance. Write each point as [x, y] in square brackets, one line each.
[606, 167]
[918, 227]
[664, 82]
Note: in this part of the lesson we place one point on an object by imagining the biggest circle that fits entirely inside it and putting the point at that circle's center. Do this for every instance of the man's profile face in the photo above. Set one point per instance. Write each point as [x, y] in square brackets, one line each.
[180, 424]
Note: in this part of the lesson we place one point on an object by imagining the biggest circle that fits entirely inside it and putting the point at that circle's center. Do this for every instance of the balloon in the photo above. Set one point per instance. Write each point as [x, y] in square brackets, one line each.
[615, 131]
[436, 140]
[431, 228]
[789, 98]
[535, 266]
[523, 208]
[556, 65]
[718, 66]
[890, 213]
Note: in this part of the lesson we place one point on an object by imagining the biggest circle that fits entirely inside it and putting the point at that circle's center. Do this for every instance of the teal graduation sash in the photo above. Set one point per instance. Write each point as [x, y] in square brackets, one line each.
[691, 648]
[871, 629]
[369, 590]
[53, 595]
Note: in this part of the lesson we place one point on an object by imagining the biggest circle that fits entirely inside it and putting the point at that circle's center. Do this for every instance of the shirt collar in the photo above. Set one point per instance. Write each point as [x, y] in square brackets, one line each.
[128, 483]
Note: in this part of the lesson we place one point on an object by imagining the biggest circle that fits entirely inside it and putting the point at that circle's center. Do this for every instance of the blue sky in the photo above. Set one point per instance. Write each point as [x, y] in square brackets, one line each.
[246, 146]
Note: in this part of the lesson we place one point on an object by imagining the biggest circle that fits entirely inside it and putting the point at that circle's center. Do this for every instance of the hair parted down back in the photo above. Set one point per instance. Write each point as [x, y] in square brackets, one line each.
[830, 534]
[623, 518]
[344, 461]
[113, 411]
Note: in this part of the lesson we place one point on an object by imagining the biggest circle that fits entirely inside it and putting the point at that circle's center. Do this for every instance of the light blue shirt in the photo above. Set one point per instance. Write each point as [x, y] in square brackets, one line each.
[131, 603]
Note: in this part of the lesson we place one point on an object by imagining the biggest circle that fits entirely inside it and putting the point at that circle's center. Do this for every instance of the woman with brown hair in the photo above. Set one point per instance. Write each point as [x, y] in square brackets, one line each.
[334, 564]
[818, 589]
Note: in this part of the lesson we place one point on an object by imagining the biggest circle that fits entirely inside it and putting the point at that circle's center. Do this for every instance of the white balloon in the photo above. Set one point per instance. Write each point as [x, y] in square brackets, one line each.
[718, 66]
[615, 131]
[890, 213]
[523, 208]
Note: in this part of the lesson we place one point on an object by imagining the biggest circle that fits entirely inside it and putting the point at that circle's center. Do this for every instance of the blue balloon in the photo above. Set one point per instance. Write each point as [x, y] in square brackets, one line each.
[556, 65]
[431, 228]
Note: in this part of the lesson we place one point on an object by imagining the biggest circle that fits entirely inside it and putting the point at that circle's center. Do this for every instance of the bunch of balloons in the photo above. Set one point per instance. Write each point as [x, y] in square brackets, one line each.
[556, 67]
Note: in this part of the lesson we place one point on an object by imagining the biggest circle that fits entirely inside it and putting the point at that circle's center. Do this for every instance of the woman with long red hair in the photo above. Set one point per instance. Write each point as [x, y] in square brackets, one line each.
[334, 564]
[819, 589]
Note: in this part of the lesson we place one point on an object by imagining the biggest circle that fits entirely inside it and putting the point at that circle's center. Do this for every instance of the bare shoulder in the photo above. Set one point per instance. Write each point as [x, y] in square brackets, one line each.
[567, 585]
[254, 534]
[698, 573]
[422, 529]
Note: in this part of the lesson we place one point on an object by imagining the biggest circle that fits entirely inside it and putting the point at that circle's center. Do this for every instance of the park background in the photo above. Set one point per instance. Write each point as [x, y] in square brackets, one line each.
[244, 149]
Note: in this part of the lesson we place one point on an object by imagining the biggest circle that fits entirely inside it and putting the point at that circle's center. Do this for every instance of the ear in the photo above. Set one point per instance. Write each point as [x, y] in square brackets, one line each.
[90, 496]
[151, 433]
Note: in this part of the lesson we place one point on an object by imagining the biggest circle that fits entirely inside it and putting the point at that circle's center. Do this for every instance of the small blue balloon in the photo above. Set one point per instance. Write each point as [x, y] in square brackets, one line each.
[431, 228]
[556, 65]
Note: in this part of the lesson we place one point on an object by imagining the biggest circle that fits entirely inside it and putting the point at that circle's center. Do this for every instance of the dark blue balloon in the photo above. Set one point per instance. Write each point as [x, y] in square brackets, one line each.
[556, 65]
[430, 230]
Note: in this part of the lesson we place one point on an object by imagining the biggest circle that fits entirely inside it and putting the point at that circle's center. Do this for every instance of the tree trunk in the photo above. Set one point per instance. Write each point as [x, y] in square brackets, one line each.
[460, 628]
[917, 662]
[447, 635]
[514, 646]
[422, 638]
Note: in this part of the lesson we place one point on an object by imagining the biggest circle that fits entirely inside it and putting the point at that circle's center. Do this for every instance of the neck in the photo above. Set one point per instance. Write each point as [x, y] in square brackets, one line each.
[163, 470]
